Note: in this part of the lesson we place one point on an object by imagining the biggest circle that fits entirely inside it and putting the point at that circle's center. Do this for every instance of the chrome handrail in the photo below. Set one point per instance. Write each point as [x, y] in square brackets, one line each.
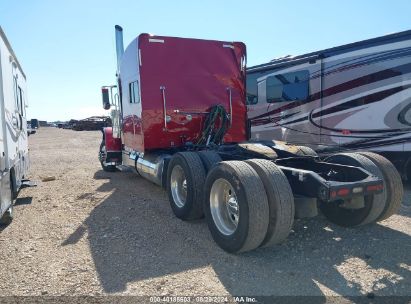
[163, 89]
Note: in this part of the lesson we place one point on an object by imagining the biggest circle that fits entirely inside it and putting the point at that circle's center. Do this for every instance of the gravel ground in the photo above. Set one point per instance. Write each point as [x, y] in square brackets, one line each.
[95, 233]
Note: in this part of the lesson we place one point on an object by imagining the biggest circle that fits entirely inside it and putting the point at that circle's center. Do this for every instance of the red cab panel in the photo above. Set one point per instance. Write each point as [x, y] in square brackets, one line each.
[179, 81]
[112, 144]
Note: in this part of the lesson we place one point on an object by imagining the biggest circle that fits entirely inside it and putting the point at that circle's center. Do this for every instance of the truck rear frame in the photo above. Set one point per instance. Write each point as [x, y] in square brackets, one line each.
[193, 141]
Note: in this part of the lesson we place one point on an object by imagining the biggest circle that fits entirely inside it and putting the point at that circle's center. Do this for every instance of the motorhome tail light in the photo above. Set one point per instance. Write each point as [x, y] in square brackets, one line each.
[343, 192]
[375, 187]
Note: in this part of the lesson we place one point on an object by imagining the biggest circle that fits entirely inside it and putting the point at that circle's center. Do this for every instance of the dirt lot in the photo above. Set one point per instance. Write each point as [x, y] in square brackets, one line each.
[94, 233]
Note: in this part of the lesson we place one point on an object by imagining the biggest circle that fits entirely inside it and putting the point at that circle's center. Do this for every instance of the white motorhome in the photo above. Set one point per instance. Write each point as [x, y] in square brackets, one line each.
[14, 160]
[347, 98]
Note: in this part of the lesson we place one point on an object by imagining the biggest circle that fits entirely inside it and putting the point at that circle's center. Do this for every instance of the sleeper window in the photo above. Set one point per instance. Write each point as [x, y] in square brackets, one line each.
[134, 92]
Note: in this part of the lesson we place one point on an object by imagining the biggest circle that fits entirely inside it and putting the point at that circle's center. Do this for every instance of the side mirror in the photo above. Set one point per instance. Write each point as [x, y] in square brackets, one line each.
[106, 99]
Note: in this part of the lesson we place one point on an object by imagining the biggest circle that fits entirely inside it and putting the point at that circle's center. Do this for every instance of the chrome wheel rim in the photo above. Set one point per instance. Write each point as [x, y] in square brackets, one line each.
[224, 206]
[178, 186]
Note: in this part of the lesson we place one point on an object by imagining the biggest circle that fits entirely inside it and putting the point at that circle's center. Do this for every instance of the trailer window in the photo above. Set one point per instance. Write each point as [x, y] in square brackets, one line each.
[134, 92]
[288, 87]
[16, 92]
[21, 103]
[18, 96]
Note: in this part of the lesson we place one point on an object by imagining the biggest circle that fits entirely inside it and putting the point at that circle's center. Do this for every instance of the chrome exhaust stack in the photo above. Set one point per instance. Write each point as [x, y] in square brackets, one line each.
[119, 45]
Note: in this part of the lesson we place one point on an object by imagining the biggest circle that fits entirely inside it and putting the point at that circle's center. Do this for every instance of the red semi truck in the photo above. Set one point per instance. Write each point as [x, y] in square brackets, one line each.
[180, 120]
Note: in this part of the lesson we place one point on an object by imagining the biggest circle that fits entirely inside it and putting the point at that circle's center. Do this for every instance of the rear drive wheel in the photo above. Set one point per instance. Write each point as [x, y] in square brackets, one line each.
[393, 188]
[185, 185]
[209, 159]
[236, 206]
[305, 151]
[339, 214]
[103, 156]
[280, 201]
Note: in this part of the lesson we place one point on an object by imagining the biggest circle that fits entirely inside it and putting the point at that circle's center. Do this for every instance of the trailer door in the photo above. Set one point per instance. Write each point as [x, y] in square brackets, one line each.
[19, 123]
[5, 193]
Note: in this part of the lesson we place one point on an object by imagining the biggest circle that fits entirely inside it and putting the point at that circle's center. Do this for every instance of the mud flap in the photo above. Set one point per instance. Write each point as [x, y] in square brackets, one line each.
[112, 145]
[305, 206]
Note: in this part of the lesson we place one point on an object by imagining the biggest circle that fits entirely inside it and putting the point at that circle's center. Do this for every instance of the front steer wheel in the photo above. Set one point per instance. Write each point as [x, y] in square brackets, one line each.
[103, 156]
[236, 206]
[7, 217]
[185, 185]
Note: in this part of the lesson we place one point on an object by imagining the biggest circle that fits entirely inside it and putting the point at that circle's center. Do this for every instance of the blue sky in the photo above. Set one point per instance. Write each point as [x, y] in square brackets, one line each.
[67, 48]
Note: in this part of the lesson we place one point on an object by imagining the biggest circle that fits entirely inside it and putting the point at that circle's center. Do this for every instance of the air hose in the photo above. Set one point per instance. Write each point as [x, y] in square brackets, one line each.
[215, 127]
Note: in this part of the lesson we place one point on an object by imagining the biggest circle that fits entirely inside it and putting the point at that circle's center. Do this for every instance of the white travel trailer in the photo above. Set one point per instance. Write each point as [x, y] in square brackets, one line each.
[14, 160]
[347, 98]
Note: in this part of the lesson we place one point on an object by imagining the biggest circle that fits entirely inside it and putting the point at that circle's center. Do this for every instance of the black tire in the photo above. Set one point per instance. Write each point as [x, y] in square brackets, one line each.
[305, 151]
[194, 172]
[393, 187]
[373, 204]
[107, 168]
[7, 217]
[13, 184]
[252, 206]
[209, 159]
[280, 201]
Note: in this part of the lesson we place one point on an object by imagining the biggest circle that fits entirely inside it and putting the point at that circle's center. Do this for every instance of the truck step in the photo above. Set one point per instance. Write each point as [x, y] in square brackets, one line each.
[123, 168]
[25, 183]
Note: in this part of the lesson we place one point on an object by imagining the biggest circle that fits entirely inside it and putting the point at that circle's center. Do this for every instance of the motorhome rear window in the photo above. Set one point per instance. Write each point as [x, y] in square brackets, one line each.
[288, 87]
[252, 88]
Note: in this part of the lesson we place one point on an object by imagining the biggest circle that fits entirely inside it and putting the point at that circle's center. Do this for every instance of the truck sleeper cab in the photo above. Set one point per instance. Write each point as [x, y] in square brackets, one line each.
[179, 120]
